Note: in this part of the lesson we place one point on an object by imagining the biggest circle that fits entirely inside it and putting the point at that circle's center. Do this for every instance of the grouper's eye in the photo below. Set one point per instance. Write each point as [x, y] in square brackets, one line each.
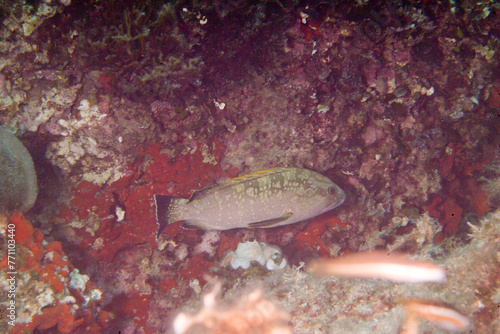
[332, 191]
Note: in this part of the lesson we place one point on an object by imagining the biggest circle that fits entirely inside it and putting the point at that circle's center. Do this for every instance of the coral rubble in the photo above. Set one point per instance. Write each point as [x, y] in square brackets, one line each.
[332, 305]
[251, 314]
[41, 288]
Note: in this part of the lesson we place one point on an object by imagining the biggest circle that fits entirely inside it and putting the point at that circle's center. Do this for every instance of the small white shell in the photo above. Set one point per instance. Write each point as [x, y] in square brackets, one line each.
[246, 253]
[265, 255]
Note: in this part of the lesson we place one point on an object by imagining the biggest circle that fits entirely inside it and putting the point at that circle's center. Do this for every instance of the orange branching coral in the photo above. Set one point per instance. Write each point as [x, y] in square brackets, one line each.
[441, 315]
[251, 314]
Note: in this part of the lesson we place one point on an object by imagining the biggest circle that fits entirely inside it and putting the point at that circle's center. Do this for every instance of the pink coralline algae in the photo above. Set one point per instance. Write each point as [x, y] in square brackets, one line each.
[397, 53]
[372, 133]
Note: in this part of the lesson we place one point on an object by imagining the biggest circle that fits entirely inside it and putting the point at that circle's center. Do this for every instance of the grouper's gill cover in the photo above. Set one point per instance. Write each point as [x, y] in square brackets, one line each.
[267, 198]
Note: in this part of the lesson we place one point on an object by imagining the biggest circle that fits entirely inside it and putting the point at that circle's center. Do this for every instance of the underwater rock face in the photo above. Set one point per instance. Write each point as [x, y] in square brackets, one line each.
[397, 104]
[18, 184]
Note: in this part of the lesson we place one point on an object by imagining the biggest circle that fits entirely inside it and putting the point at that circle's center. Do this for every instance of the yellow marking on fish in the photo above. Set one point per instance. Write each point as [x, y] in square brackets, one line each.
[250, 175]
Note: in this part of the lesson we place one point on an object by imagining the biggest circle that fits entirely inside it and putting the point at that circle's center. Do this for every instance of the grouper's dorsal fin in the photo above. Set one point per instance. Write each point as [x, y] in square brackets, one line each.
[271, 222]
[254, 175]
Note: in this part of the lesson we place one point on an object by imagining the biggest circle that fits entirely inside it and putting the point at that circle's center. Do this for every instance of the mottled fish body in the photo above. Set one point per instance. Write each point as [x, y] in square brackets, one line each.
[268, 198]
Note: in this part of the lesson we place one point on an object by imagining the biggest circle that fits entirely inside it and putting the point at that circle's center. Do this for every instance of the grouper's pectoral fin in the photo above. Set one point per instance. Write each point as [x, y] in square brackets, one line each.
[193, 225]
[271, 222]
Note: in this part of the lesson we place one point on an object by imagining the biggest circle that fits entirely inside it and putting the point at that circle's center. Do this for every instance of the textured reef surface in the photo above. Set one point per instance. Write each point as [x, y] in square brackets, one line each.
[397, 102]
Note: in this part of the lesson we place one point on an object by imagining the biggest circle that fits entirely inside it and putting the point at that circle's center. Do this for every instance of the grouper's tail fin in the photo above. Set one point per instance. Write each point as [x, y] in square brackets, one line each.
[165, 205]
